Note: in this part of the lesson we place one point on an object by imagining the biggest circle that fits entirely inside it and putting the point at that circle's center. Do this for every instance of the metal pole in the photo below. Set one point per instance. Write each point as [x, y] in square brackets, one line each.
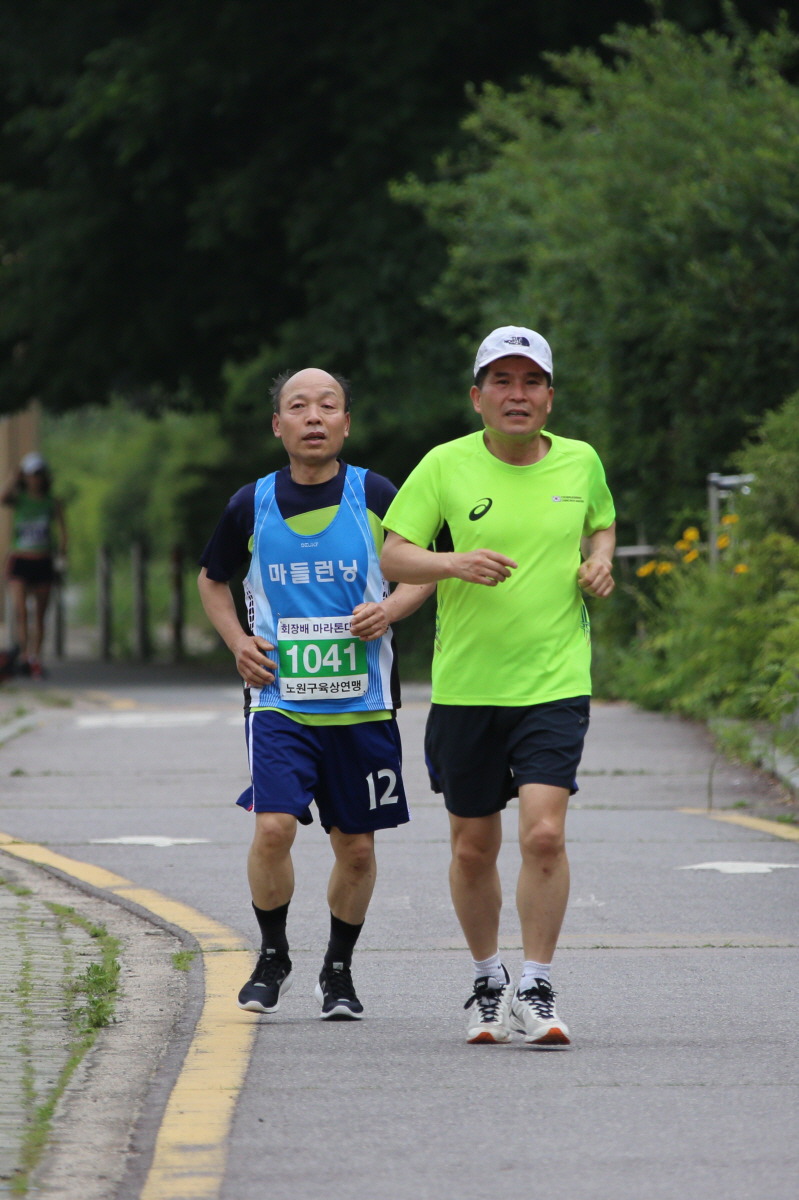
[719, 487]
[59, 618]
[713, 519]
[104, 601]
[178, 603]
[141, 616]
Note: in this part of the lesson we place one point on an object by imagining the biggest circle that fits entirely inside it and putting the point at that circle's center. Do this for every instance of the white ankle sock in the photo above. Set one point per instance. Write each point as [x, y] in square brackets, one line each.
[532, 971]
[490, 966]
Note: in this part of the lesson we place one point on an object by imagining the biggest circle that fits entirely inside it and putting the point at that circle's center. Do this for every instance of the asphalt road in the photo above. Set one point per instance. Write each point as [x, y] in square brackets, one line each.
[677, 971]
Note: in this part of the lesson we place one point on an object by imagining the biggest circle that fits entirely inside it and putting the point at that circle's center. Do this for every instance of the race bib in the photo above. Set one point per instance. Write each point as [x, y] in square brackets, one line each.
[33, 533]
[319, 659]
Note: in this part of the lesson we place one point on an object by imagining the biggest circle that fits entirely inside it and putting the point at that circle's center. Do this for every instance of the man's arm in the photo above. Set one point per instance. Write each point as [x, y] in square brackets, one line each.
[409, 563]
[252, 662]
[594, 575]
[370, 621]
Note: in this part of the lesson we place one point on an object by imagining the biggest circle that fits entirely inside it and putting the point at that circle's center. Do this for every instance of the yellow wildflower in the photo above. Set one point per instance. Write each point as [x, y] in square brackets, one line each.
[663, 568]
[740, 569]
[691, 556]
[723, 541]
[646, 568]
[691, 534]
[682, 545]
[730, 519]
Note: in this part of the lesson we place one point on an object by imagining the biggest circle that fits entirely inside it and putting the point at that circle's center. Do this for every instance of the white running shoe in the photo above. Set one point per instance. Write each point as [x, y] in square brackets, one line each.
[533, 1014]
[489, 1022]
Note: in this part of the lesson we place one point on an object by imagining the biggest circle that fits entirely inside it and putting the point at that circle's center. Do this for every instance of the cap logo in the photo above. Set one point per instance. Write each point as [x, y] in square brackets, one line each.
[517, 341]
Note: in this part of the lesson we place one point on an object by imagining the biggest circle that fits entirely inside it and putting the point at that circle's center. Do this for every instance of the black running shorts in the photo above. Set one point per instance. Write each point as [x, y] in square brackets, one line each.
[34, 572]
[479, 755]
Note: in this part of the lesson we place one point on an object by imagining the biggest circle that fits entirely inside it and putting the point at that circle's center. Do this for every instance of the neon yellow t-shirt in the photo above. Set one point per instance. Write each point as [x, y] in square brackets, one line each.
[526, 641]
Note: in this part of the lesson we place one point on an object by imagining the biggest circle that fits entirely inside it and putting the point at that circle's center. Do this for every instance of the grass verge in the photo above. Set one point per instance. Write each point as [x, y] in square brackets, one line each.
[86, 1002]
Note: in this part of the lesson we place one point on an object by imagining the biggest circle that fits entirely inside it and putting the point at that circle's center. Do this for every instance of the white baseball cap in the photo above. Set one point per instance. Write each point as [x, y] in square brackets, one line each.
[514, 339]
[32, 463]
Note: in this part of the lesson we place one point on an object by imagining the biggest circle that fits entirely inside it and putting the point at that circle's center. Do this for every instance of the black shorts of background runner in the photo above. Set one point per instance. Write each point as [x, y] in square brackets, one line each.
[478, 756]
[35, 572]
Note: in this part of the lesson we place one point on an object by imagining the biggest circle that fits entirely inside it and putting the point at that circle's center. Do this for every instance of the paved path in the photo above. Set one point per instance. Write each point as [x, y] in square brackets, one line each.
[677, 973]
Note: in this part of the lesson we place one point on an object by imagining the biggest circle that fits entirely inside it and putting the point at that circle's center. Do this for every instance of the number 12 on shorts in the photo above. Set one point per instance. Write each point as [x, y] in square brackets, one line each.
[382, 788]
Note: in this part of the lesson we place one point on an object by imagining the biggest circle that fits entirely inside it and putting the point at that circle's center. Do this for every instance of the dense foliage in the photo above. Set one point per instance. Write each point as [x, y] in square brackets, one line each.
[644, 214]
[186, 186]
[724, 641]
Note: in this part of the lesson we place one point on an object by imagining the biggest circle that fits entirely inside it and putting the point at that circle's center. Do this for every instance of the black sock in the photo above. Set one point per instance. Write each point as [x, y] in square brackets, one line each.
[272, 923]
[342, 941]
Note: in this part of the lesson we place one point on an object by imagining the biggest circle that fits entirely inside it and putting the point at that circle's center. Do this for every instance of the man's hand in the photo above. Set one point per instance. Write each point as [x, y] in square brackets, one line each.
[369, 621]
[480, 566]
[594, 576]
[252, 661]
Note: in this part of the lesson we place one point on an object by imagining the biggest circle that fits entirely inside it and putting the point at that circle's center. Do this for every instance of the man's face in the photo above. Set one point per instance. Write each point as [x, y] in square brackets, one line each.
[515, 398]
[312, 422]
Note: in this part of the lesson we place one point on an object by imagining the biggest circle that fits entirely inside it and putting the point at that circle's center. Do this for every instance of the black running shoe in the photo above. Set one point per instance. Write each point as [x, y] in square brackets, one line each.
[336, 994]
[270, 979]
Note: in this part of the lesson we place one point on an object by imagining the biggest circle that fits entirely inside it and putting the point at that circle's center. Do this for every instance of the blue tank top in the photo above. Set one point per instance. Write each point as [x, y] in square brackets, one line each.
[301, 590]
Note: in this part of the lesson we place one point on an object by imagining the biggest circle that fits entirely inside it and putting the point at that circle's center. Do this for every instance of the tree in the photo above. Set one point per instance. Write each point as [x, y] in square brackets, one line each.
[772, 456]
[643, 212]
[191, 186]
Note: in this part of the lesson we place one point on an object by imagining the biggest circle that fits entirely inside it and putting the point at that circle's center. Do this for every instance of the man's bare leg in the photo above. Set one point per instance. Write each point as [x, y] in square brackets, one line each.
[352, 879]
[270, 872]
[349, 891]
[542, 891]
[542, 894]
[474, 880]
[477, 898]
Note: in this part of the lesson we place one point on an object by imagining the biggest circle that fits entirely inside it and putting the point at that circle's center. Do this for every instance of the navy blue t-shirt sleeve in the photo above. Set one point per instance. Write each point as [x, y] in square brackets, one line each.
[379, 493]
[229, 546]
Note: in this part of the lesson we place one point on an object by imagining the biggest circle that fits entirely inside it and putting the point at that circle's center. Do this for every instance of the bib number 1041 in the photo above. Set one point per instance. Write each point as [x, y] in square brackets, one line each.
[319, 659]
[309, 659]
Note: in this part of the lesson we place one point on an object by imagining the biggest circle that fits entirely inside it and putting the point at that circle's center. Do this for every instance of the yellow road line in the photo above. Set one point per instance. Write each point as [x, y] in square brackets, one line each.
[190, 1150]
[775, 828]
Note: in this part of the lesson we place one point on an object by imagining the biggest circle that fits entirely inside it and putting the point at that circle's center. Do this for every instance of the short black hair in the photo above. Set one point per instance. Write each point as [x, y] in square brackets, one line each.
[479, 378]
[280, 381]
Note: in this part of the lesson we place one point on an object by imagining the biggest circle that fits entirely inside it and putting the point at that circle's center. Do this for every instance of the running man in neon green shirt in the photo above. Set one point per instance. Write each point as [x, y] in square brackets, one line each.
[511, 667]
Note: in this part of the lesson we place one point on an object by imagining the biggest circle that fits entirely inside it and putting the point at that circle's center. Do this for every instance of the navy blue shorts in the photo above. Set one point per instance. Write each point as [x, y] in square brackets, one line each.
[353, 772]
[479, 755]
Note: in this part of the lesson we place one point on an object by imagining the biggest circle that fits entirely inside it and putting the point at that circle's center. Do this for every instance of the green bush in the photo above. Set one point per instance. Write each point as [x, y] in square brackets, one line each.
[719, 642]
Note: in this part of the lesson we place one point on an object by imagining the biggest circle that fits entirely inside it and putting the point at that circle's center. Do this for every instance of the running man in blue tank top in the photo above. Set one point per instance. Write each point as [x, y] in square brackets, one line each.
[319, 672]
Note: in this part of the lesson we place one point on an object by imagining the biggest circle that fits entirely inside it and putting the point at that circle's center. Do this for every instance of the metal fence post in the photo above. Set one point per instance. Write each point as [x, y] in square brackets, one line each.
[178, 603]
[141, 616]
[104, 601]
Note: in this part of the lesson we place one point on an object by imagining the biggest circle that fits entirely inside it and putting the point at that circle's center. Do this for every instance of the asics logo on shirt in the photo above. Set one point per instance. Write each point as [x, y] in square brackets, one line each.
[480, 509]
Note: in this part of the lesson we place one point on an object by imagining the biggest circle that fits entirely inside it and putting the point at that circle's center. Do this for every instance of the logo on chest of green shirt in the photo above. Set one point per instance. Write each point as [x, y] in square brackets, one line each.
[481, 508]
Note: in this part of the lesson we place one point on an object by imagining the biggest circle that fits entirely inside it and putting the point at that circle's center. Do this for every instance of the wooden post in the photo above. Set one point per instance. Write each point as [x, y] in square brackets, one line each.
[178, 603]
[142, 645]
[104, 621]
[59, 617]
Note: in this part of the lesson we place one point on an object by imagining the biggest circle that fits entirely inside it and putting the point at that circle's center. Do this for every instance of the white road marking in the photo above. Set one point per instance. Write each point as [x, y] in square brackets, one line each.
[145, 720]
[741, 868]
[148, 840]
